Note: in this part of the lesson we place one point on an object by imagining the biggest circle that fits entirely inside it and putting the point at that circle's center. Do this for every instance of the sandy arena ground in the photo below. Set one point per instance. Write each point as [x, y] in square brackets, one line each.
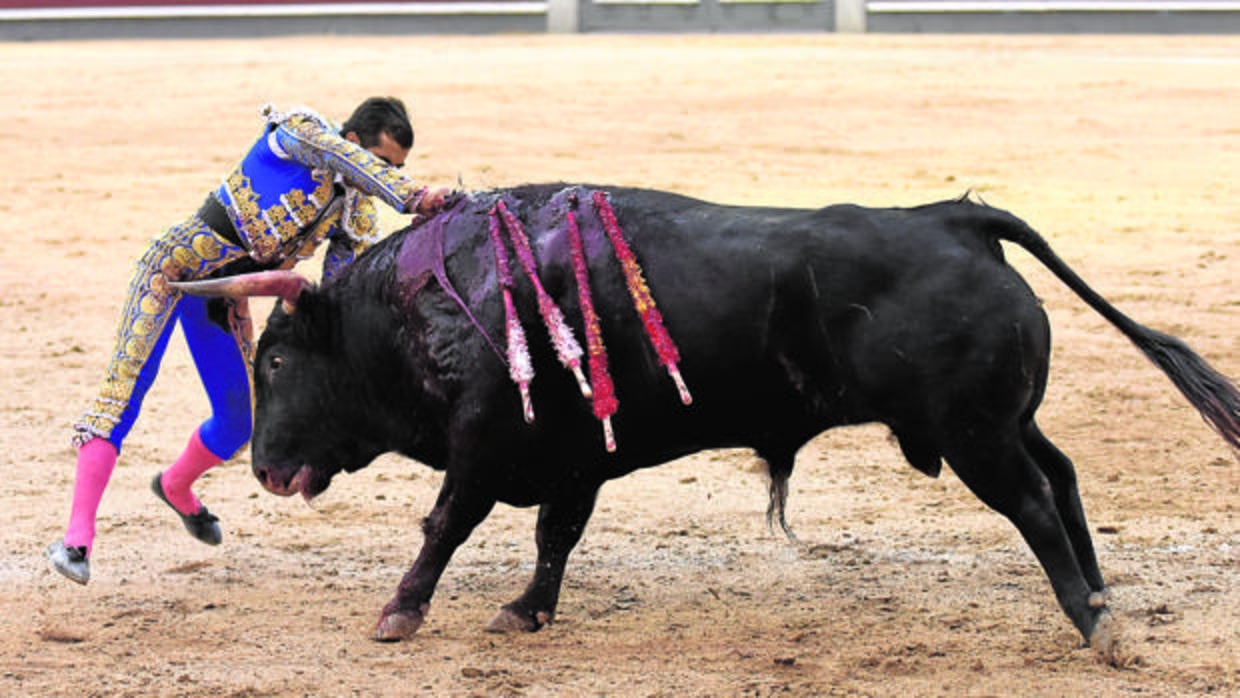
[1124, 151]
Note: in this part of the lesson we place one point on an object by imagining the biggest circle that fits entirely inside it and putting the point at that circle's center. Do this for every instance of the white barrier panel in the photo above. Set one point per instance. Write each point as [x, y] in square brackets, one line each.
[1053, 6]
[271, 10]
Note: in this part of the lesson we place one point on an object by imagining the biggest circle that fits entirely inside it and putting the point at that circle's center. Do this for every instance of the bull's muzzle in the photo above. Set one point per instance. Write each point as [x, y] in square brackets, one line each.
[298, 484]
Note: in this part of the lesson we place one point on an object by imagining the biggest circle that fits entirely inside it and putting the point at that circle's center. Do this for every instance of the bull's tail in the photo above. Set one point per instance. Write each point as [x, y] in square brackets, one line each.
[1214, 396]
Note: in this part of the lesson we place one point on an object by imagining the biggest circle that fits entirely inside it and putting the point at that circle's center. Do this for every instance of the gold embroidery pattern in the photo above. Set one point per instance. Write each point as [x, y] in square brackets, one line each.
[359, 167]
[269, 231]
[300, 210]
[188, 250]
[242, 329]
[361, 221]
[246, 218]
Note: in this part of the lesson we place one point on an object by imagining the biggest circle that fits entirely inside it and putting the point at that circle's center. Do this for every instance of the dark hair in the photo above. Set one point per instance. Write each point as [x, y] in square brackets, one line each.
[380, 115]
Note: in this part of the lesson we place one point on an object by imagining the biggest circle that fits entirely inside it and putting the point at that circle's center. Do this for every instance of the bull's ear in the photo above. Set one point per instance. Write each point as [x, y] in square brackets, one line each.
[283, 284]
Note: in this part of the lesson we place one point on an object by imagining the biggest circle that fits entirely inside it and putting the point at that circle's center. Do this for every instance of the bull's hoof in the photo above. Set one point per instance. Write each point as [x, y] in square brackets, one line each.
[1105, 639]
[510, 621]
[394, 627]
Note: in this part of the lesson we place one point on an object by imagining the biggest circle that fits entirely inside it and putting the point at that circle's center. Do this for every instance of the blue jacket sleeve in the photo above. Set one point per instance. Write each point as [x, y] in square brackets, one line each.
[314, 143]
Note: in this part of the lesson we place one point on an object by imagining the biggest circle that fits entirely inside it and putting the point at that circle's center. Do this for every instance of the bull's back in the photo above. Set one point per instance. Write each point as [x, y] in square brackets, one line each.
[843, 314]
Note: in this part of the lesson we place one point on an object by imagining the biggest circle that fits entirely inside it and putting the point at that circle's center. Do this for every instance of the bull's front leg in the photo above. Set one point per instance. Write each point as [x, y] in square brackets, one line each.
[560, 525]
[458, 509]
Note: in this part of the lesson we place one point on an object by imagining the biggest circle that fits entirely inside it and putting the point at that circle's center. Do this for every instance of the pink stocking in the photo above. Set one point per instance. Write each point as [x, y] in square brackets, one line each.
[177, 479]
[96, 460]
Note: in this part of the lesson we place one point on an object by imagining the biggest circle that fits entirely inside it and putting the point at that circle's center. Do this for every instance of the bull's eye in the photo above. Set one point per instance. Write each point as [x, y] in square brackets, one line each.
[276, 363]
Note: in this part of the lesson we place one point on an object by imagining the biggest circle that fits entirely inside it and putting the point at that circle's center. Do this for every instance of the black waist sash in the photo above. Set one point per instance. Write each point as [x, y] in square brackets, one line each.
[216, 217]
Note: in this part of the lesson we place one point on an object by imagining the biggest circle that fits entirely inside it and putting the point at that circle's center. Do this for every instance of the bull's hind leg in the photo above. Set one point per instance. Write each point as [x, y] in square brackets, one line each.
[561, 523]
[1003, 474]
[1062, 476]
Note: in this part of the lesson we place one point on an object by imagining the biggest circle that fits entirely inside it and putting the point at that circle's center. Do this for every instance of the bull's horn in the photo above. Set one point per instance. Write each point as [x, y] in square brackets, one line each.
[283, 284]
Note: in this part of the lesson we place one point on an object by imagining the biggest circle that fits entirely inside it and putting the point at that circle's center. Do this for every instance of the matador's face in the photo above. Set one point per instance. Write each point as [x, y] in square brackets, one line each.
[385, 149]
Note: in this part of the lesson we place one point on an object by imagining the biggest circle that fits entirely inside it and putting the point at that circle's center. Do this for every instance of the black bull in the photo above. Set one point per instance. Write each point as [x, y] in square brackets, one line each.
[787, 322]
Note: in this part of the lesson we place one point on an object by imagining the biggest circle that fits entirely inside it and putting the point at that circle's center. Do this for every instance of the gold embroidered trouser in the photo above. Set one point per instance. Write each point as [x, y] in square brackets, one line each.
[188, 250]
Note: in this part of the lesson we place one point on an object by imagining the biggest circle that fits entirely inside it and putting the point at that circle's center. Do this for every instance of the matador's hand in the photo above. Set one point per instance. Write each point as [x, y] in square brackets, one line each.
[432, 200]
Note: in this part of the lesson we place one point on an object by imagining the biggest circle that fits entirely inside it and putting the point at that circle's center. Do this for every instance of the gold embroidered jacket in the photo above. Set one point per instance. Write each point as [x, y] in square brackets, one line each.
[301, 183]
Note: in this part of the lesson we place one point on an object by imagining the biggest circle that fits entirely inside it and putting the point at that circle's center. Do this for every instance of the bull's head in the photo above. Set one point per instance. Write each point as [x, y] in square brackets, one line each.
[303, 434]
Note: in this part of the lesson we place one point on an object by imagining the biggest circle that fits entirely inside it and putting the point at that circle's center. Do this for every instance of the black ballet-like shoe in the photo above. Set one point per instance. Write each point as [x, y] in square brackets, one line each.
[202, 525]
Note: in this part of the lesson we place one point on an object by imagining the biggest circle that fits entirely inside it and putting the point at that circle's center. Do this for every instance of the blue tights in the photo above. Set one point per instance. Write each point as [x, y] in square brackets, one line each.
[221, 367]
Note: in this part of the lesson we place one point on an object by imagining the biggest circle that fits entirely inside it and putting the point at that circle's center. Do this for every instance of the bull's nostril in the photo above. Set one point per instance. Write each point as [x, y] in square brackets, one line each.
[261, 474]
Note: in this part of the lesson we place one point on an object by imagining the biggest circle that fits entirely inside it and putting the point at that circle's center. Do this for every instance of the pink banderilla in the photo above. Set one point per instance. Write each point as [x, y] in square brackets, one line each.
[562, 338]
[604, 401]
[669, 356]
[520, 368]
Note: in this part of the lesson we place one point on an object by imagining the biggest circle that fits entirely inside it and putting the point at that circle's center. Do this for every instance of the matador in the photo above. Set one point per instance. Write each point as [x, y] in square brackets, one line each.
[303, 181]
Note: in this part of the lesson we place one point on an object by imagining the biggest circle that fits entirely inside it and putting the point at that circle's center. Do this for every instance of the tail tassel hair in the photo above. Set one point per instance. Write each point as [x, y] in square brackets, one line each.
[1216, 398]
